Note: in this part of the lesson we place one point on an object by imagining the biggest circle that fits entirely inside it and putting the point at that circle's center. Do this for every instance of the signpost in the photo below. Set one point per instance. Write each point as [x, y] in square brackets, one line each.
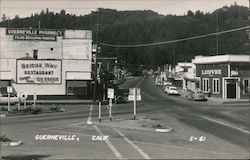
[100, 111]
[25, 98]
[110, 96]
[134, 95]
[35, 98]
[9, 90]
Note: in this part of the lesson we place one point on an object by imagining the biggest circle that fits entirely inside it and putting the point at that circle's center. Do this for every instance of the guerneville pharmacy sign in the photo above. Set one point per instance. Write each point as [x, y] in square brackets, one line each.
[34, 34]
[39, 71]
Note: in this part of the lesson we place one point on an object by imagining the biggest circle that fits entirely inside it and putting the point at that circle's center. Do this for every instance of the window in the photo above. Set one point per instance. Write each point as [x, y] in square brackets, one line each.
[216, 85]
[35, 53]
[205, 84]
[245, 86]
[76, 88]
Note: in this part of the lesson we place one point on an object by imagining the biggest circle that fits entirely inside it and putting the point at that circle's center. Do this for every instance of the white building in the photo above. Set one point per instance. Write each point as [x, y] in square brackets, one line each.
[46, 62]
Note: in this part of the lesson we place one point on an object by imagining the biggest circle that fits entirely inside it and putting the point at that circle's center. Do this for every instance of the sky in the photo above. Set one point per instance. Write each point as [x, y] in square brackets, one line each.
[24, 8]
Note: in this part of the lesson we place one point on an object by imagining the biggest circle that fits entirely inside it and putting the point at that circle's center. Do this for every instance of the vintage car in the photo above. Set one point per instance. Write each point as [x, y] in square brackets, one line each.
[197, 95]
[13, 99]
[171, 90]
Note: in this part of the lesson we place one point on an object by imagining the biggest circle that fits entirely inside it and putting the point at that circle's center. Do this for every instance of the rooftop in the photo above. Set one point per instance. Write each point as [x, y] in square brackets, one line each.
[221, 59]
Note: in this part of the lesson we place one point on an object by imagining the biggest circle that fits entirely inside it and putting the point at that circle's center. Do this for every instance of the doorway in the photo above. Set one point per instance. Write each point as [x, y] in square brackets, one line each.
[231, 88]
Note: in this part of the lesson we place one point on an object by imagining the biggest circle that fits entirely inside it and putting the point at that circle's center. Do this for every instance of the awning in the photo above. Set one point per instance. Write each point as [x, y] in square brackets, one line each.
[77, 84]
[78, 76]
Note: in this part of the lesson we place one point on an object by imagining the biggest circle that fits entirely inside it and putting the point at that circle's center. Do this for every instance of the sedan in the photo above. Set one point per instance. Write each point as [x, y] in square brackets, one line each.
[172, 91]
[196, 96]
[13, 99]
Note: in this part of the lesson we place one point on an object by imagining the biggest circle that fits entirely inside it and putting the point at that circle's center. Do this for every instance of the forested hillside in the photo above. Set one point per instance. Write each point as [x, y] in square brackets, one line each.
[139, 27]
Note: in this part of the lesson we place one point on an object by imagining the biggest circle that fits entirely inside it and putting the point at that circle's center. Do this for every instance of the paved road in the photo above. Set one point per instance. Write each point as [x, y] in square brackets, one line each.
[227, 136]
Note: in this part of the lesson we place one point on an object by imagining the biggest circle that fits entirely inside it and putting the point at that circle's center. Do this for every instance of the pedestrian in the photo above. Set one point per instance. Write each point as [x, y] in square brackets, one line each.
[209, 92]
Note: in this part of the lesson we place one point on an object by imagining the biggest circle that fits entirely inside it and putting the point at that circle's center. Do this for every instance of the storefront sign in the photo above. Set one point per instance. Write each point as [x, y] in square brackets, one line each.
[34, 38]
[34, 34]
[39, 71]
[211, 71]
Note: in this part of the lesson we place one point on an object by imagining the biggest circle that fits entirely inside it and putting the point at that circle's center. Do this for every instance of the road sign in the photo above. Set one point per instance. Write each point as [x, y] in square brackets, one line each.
[132, 91]
[9, 89]
[111, 93]
[132, 97]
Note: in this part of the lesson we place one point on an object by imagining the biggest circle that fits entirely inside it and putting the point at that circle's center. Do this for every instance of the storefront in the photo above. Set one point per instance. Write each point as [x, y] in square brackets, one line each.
[225, 76]
[54, 64]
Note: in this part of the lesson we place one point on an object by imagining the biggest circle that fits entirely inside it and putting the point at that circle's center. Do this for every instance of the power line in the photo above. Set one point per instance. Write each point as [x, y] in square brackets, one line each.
[172, 41]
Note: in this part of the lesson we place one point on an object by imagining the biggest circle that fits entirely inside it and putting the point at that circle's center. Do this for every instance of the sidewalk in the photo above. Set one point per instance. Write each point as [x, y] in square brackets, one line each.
[184, 93]
[63, 101]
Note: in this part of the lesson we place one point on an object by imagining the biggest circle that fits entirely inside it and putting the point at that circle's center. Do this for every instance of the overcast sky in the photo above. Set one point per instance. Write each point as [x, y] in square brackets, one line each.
[24, 8]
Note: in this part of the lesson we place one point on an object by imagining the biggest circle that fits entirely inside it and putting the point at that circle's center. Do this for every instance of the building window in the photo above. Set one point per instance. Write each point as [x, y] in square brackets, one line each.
[76, 88]
[205, 86]
[246, 86]
[35, 53]
[216, 85]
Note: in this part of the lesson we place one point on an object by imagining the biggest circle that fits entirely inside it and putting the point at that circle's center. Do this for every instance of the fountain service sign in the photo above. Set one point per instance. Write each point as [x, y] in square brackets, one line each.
[39, 71]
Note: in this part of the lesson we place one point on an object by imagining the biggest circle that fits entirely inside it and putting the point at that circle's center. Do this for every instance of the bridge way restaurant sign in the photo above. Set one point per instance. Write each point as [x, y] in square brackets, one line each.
[39, 71]
[34, 34]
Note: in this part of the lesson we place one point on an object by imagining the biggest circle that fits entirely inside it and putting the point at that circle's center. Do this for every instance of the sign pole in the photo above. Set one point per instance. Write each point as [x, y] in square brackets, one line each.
[110, 109]
[100, 111]
[135, 103]
[8, 102]
[24, 107]
[25, 99]
[34, 98]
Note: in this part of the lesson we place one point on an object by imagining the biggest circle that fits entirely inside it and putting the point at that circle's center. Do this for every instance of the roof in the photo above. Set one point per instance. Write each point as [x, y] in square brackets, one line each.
[221, 59]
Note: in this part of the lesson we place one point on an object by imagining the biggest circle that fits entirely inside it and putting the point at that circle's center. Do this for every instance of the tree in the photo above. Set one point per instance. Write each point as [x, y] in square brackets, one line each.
[4, 17]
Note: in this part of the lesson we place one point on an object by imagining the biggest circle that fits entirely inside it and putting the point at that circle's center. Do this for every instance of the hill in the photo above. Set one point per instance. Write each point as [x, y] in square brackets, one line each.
[139, 27]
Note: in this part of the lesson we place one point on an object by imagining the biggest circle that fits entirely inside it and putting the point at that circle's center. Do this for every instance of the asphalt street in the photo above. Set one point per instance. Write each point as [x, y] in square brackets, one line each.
[226, 135]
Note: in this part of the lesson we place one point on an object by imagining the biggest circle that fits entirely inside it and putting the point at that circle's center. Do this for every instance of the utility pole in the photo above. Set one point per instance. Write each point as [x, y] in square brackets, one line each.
[217, 30]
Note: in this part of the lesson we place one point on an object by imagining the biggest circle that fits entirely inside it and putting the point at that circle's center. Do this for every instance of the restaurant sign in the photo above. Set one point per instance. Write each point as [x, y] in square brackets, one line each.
[39, 71]
[34, 34]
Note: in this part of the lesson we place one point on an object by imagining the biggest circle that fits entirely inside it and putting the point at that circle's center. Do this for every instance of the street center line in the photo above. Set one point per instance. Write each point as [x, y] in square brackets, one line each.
[90, 115]
[225, 124]
[111, 146]
[132, 144]
[139, 82]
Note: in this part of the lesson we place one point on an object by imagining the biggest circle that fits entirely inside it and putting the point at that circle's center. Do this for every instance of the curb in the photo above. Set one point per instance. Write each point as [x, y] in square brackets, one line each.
[12, 144]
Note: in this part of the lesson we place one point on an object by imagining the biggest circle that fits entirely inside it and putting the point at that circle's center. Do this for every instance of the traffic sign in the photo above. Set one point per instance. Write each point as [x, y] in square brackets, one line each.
[111, 93]
[9, 89]
[132, 97]
[132, 91]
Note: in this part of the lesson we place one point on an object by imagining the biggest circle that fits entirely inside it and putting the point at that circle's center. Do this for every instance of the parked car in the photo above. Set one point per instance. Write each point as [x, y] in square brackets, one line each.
[120, 99]
[171, 90]
[166, 83]
[13, 99]
[196, 96]
[130, 77]
[166, 88]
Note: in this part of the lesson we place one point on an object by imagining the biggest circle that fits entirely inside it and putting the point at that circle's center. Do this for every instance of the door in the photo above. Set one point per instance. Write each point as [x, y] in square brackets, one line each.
[231, 88]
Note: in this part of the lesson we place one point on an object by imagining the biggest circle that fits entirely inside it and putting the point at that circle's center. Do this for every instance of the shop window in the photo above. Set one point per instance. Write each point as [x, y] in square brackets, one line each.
[77, 88]
[246, 86]
[205, 86]
[35, 53]
[216, 85]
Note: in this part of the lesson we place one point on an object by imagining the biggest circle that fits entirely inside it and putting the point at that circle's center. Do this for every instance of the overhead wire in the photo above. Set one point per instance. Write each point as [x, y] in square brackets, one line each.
[172, 41]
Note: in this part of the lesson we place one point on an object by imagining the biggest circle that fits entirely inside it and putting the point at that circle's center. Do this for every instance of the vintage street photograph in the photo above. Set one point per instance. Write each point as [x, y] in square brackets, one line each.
[124, 79]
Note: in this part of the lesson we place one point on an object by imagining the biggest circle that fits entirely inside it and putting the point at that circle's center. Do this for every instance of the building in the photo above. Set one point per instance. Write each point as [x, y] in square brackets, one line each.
[54, 64]
[224, 76]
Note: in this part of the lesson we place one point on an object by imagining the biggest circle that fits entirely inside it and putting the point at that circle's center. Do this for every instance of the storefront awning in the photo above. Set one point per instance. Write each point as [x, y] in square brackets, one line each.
[78, 76]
